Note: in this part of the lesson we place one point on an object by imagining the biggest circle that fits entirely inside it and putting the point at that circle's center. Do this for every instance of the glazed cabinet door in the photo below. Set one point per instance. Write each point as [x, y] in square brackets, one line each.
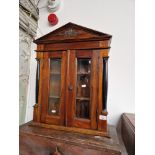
[82, 88]
[53, 99]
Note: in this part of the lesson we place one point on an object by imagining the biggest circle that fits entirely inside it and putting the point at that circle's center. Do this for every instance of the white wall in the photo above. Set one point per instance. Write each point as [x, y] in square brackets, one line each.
[109, 16]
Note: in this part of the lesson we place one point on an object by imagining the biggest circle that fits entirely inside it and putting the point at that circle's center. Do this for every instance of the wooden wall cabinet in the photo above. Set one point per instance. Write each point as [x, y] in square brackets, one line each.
[72, 80]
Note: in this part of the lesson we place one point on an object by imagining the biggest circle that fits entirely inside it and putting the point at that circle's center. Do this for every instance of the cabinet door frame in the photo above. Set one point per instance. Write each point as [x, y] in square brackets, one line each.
[45, 117]
[73, 121]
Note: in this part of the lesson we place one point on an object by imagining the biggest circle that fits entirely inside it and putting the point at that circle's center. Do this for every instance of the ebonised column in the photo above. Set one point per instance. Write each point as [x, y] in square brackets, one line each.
[105, 86]
[37, 80]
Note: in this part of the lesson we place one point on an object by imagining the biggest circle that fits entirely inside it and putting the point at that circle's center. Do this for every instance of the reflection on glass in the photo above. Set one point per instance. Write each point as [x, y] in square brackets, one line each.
[83, 88]
[55, 87]
[55, 66]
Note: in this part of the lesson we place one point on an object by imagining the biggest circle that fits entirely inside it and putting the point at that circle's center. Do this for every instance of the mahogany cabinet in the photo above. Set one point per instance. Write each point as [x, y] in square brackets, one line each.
[72, 80]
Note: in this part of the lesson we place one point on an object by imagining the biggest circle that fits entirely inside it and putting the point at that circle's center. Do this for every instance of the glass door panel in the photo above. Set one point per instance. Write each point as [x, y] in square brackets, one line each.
[83, 88]
[55, 86]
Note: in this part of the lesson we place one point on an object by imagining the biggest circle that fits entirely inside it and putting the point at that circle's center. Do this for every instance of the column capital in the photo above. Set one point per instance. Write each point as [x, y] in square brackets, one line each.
[106, 58]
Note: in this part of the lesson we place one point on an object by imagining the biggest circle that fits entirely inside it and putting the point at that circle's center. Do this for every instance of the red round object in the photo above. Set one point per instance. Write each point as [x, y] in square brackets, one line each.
[53, 19]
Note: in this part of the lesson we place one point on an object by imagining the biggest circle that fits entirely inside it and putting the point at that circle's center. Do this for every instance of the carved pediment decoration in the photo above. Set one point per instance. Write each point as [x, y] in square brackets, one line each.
[71, 32]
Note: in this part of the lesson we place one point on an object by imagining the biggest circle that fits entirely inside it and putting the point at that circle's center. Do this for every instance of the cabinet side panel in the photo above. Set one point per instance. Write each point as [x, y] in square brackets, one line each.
[45, 86]
[94, 86]
[102, 121]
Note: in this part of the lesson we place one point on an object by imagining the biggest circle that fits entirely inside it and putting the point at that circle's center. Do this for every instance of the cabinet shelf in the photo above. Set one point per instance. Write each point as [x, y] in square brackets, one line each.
[83, 98]
[55, 73]
[83, 73]
[54, 96]
[78, 98]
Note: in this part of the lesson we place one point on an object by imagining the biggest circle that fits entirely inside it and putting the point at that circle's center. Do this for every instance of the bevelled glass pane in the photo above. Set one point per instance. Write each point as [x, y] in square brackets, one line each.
[55, 86]
[83, 66]
[55, 66]
[83, 88]
[82, 108]
[53, 108]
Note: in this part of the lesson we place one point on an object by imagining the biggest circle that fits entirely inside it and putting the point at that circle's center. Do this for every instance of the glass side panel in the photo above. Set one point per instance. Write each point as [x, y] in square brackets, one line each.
[83, 88]
[55, 87]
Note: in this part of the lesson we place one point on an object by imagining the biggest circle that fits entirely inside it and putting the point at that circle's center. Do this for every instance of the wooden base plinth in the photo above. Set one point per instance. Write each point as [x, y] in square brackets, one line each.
[71, 129]
[44, 141]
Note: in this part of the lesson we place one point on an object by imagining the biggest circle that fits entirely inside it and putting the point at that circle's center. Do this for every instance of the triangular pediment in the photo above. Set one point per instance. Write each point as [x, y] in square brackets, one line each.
[71, 32]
